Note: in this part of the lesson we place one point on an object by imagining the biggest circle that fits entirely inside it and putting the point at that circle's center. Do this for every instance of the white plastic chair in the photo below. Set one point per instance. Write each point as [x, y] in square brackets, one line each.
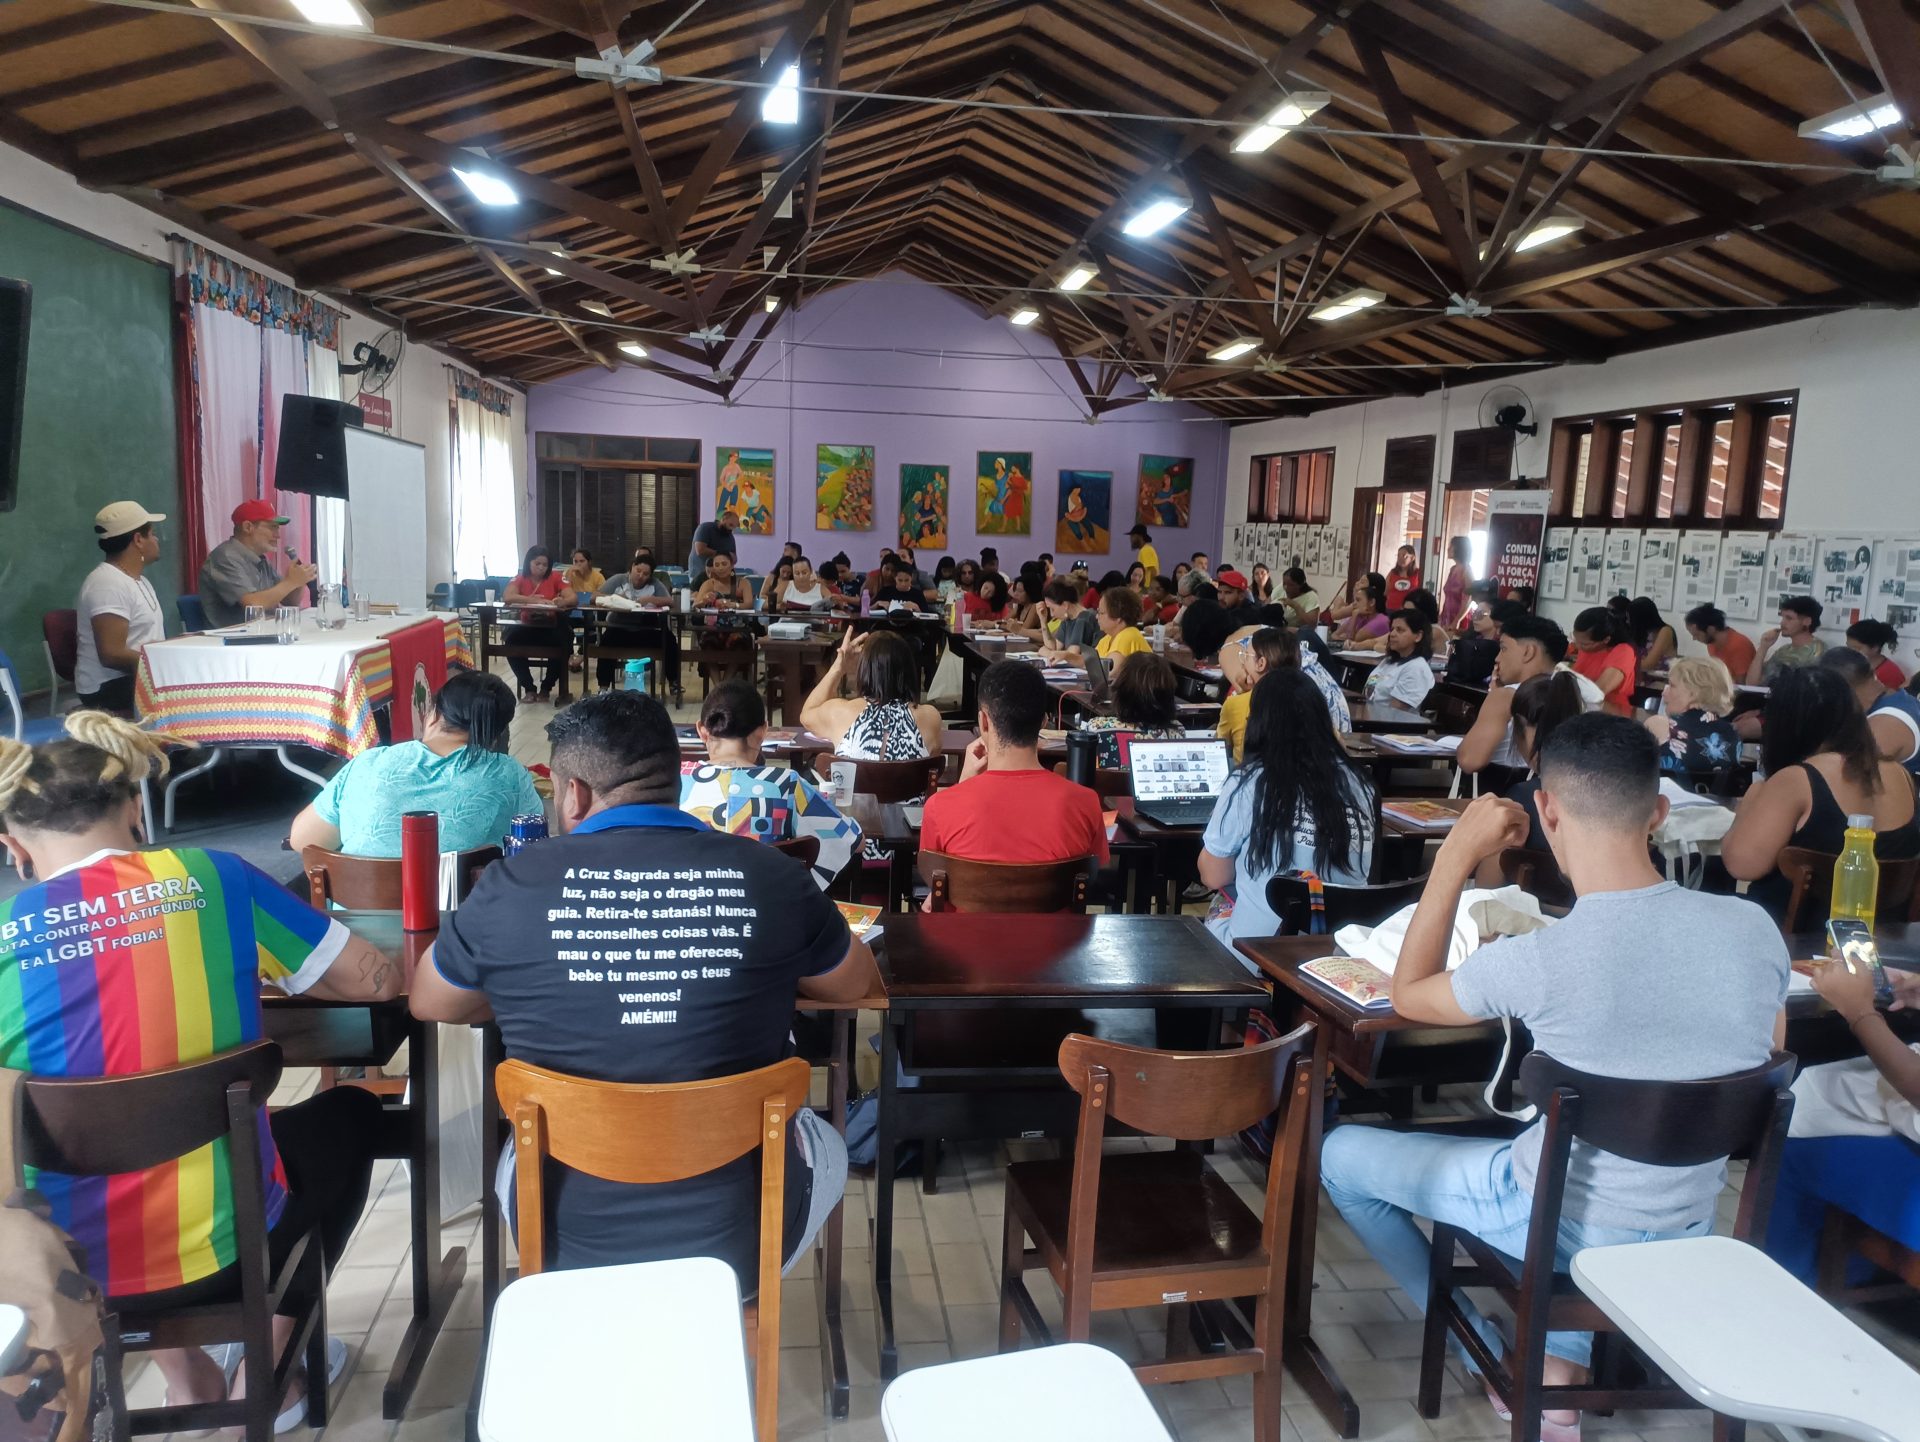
[1747, 1339]
[1071, 1393]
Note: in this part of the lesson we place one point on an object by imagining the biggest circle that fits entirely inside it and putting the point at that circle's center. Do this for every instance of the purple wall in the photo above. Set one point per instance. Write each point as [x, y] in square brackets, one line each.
[920, 376]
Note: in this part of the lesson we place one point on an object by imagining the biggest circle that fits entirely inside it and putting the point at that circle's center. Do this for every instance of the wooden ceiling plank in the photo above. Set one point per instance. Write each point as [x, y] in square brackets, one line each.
[838, 20]
[1229, 251]
[1892, 44]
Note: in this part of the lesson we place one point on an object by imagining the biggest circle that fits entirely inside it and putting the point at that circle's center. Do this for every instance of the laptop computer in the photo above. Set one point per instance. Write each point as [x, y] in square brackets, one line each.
[1096, 675]
[1176, 783]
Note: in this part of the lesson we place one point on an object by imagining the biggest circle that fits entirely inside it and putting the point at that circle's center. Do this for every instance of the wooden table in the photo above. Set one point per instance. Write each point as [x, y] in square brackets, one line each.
[1376, 716]
[324, 1033]
[797, 667]
[968, 999]
[488, 614]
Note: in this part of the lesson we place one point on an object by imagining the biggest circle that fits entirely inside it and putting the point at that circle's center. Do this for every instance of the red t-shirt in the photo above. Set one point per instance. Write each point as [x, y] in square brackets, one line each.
[1015, 816]
[1735, 652]
[1617, 658]
[1891, 675]
[1401, 585]
[545, 589]
[974, 604]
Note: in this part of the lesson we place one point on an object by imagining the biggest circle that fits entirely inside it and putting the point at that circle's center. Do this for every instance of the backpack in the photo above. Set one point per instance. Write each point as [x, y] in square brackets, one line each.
[55, 1389]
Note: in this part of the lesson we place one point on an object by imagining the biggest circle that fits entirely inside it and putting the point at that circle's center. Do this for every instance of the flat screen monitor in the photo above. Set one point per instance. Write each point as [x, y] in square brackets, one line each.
[16, 301]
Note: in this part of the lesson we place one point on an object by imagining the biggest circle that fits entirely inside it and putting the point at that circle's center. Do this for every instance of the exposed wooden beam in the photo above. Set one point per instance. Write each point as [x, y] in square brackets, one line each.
[838, 20]
[1228, 250]
[1892, 43]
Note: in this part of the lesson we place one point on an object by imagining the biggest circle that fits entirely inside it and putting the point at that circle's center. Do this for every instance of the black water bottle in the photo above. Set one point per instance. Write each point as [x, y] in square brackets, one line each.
[1083, 756]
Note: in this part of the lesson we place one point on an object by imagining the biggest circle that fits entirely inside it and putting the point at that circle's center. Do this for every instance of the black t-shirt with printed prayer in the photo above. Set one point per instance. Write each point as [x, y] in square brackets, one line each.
[646, 947]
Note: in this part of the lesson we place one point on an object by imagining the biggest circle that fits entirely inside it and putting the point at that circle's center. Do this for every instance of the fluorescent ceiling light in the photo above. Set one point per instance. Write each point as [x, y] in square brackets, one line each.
[1296, 110]
[343, 13]
[598, 307]
[551, 271]
[781, 106]
[773, 304]
[1077, 278]
[1026, 315]
[1548, 231]
[1156, 216]
[634, 349]
[1234, 349]
[1850, 122]
[487, 188]
[1348, 304]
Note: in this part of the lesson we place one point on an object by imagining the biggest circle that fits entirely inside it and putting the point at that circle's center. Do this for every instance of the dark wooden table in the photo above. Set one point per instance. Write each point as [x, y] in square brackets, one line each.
[323, 1033]
[977, 1005]
[489, 614]
[1371, 717]
[796, 667]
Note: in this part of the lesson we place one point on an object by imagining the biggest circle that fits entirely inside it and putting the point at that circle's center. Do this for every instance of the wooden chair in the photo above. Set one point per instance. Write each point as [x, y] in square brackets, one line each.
[1811, 876]
[1108, 783]
[1843, 1237]
[625, 640]
[1658, 1123]
[554, 652]
[1162, 1228]
[1537, 874]
[372, 883]
[60, 641]
[803, 849]
[722, 653]
[111, 1126]
[645, 1135]
[1453, 707]
[1289, 899]
[1025, 887]
[890, 781]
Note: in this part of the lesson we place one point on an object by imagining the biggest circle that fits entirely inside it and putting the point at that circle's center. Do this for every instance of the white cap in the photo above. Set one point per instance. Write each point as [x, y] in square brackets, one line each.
[121, 517]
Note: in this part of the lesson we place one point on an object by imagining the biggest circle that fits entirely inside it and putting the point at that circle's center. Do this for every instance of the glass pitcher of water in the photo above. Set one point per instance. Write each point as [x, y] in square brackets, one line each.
[330, 607]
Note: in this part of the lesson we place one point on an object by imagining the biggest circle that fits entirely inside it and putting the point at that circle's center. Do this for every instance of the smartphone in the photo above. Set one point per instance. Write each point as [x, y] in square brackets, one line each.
[1848, 939]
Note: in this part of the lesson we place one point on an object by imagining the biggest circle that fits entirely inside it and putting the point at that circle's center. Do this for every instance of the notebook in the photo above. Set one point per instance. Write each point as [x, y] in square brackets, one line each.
[1360, 982]
[1176, 783]
[1425, 815]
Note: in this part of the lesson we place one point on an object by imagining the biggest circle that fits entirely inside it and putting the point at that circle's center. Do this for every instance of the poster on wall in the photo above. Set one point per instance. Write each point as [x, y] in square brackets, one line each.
[1790, 570]
[843, 488]
[1516, 534]
[1003, 493]
[923, 507]
[1699, 570]
[1840, 579]
[1555, 562]
[1895, 597]
[1623, 563]
[1586, 578]
[744, 486]
[1659, 563]
[1743, 574]
[1166, 491]
[1085, 506]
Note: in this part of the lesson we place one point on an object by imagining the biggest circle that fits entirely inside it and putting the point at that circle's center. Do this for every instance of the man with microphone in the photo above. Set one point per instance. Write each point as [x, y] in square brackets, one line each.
[237, 573]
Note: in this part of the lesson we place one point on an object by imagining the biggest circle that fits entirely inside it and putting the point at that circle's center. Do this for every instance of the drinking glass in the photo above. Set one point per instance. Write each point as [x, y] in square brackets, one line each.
[257, 623]
[287, 618]
[360, 606]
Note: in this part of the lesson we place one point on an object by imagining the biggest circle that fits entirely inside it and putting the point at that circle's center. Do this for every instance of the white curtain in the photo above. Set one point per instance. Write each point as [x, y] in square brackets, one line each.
[227, 348]
[486, 537]
[330, 513]
[283, 372]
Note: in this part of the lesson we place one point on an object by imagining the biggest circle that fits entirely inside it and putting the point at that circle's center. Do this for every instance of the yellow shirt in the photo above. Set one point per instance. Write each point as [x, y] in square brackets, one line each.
[1150, 558]
[1233, 721]
[1127, 641]
[587, 585]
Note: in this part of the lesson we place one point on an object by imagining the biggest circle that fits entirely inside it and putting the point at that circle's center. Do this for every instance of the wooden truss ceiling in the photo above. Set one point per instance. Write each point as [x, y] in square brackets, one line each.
[987, 144]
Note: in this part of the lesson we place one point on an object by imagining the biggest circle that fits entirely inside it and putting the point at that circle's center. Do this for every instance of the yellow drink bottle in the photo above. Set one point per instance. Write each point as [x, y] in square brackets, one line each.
[1856, 875]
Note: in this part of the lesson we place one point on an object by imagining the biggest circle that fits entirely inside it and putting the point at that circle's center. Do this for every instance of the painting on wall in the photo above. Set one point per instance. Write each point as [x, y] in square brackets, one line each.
[843, 489]
[1085, 513]
[745, 487]
[923, 507]
[1166, 490]
[1003, 493]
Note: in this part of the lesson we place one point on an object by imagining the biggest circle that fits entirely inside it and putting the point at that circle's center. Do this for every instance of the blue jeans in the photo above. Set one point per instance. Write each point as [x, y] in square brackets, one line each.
[1876, 1179]
[1382, 1180]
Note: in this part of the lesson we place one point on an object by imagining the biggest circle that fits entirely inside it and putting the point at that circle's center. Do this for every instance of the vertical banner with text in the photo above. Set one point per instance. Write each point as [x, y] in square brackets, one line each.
[1516, 533]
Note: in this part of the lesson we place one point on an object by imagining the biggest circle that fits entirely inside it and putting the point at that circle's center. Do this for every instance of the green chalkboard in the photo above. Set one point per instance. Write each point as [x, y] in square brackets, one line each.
[99, 422]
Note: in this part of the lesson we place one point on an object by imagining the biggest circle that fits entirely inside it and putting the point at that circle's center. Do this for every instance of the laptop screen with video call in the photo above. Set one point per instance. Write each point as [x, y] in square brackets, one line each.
[1178, 770]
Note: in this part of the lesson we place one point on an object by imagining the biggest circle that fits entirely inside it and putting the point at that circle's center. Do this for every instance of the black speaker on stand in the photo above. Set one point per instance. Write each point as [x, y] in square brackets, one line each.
[313, 449]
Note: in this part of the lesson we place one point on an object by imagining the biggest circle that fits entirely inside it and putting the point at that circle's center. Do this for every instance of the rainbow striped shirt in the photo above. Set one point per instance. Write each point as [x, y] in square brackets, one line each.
[129, 961]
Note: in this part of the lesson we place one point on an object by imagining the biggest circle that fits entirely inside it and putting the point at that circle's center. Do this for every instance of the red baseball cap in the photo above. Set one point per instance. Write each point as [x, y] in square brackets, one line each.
[1233, 579]
[258, 511]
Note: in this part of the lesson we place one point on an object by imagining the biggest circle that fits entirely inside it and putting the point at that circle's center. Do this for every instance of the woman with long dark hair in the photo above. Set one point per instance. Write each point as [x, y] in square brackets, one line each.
[1406, 674]
[1146, 707]
[1602, 655]
[1540, 705]
[542, 596]
[1366, 618]
[885, 719]
[1821, 767]
[1653, 639]
[1297, 803]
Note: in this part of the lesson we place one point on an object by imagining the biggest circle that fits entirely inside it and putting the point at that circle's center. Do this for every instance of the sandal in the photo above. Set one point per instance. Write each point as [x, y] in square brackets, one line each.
[1550, 1431]
[296, 1414]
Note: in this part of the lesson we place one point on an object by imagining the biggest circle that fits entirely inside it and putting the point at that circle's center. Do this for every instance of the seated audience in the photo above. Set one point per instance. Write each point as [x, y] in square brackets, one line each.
[1872, 1171]
[180, 992]
[459, 767]
[1350, 595]
[1302, 603]
[732, 791]
[1530, 645]
[1652, 638]
[903, 592]
[582, 575]
[1069, 625]
[1691, 726]
[641, 586]
[946, 578]
[884, 720]
[1024, 595]
[1007, 806]
[1799, 620]
[1604, 658]
[988, 600]
[723, 588]
[773, 585]
[1406, 675]
[1192, 572]
[1137, 579]
[1248, 655]
[1204, 626]
[1261, 592]
[1365, 615]
[1820, 766]
[616, 779]
[541, 597]
[1119, 621]
[117, 611]
[1297, 803]
[808, 592]
[1470, 662]
[1708, 626]
[1145, 708]
[1874, 639]
[1163, 601]
[1540, 705]
[1615, 988]
[1232, 587]
[1893, 716]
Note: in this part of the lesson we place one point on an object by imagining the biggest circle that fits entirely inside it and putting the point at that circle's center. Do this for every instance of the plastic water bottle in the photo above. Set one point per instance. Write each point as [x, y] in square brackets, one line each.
[1856, 875]
[636, 673]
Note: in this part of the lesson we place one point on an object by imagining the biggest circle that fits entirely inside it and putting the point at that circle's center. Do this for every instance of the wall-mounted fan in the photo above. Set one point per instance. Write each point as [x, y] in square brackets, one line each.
[1509, 408]
[376, 362]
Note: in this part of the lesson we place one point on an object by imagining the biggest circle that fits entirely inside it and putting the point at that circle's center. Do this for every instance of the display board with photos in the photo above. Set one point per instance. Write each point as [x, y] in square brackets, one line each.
[1320, 551]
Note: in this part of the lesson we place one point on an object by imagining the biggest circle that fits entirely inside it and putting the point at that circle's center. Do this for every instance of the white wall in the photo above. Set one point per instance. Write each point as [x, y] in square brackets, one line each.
[1856, 449]
[419, 392]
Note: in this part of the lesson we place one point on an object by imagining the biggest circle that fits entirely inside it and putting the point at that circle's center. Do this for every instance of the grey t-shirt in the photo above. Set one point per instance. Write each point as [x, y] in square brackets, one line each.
[708, 533]
[230, 572]
[1082, 629]
[1658, 984]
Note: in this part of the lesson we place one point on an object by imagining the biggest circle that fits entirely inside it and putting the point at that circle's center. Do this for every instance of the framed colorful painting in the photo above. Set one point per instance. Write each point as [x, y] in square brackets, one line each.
[744, 486]
[923, 506]
[1003, 493]
[1166, 491]
[1085, 512]
[843, 489]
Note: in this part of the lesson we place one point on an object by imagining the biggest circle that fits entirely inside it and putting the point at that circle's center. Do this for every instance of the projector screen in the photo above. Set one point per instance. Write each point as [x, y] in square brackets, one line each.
[386, 519]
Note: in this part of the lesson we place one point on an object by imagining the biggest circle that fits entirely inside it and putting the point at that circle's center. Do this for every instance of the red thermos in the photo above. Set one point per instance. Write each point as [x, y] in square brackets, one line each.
[419, 870]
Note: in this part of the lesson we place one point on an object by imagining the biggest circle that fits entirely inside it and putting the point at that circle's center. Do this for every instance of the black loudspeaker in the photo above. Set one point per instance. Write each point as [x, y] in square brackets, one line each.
[313, 448]
[16, 301]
